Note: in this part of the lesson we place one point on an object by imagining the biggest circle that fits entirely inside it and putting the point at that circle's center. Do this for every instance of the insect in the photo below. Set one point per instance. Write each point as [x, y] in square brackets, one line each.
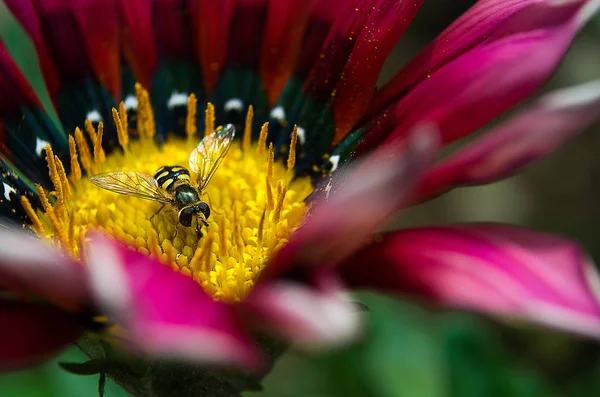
[171, 185]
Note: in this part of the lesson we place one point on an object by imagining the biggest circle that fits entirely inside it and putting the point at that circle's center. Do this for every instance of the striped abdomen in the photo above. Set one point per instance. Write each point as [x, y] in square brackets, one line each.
[167, 176]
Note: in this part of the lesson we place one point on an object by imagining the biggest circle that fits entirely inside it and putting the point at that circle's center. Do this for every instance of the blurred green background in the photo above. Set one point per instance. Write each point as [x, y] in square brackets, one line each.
[420, 351]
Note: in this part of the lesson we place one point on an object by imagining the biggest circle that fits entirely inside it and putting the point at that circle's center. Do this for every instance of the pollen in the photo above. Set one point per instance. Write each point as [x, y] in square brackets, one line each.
[255, 202]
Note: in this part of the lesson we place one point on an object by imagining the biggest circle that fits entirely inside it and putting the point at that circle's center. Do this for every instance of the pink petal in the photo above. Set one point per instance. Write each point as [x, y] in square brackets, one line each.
[210, 25]
[349, 18]
[247, 21]
[478, 86]
[373, 191]
[29, 266]
[322, 16]
[471, 29]
[32, 333]
[65, 42]
[311, 318]
[25, 13]
[386, 24]
[101, 39]
[536, 132]
[138, 40]
[284, 29]
[163, 311]
[16, 90]
[492, 268]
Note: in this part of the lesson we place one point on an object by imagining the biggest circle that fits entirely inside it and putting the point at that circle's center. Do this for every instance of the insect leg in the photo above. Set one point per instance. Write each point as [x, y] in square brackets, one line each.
[212, 208]
[157, 212]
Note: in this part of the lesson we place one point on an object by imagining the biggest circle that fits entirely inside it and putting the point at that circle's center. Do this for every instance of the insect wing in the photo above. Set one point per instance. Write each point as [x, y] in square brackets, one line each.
[208, 155]
[132, 183]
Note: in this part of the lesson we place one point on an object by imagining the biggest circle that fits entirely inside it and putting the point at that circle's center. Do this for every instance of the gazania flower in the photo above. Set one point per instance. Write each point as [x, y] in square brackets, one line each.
[322, 160]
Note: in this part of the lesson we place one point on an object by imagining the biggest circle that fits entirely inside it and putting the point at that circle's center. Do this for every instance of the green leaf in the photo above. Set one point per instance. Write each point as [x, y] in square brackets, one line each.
[481, 366]
[403, 355]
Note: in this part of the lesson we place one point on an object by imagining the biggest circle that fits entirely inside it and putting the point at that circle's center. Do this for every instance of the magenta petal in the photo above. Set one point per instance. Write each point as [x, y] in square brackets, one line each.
[138, 40]
[163, 311]
[28, 266]
[386, 24]
[309, 317]
[25, 13]
[372, 191]
[536, 132]
[32, 333]
[471, 29]
[101, 39]
[497, 269]
[475, 88]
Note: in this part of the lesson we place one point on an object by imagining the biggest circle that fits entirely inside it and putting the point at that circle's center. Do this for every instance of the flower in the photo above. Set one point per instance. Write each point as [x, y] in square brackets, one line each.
[277, 250]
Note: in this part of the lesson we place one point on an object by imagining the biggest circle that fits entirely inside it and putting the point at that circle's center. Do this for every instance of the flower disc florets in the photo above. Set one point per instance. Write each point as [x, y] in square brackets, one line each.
[255, 202]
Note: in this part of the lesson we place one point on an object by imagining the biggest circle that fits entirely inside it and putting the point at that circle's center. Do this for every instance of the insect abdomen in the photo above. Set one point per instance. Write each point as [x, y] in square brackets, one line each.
[167, 176]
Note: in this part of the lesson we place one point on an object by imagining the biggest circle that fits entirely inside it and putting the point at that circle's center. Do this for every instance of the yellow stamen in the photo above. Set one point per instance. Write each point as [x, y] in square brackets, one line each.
[145, 115]
[53, 172]
[64, 181]
[99, 155]
[248, 129]
[43, 198]
[75, 169]
[222, 237]
[89, 128]
[209, 119]
[190, 121]
[123, 117]
[281, 191]
[59, 230]
[269, 178]
[37, 224]
[237, 233]
[84, 153]
[262, 140]
[261, 228]
[291, 162]
[122, 134]
[251, 217]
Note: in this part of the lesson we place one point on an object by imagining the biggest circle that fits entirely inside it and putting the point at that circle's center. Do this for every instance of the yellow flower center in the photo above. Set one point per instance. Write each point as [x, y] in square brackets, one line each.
[255, 203]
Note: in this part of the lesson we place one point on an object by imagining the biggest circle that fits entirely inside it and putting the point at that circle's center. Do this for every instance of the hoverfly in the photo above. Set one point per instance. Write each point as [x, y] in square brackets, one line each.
[171, 185]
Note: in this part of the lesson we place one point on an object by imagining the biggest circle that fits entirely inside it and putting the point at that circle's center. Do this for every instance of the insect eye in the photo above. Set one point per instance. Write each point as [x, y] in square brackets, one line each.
[205, 209]
[185, 216]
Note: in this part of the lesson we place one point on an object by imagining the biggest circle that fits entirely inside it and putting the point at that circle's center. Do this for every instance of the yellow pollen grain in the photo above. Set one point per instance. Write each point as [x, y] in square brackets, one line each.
[75, 168]
[84, 153]
[251, 218]
[209, 119]
[248, 129]
[99, 155]
[190, 120]
[89, 128]
[262, 140]
[38, 227]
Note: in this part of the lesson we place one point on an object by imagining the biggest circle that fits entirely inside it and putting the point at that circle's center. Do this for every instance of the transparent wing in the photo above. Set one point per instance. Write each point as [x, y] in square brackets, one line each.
[132, 183]
[208, 155]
